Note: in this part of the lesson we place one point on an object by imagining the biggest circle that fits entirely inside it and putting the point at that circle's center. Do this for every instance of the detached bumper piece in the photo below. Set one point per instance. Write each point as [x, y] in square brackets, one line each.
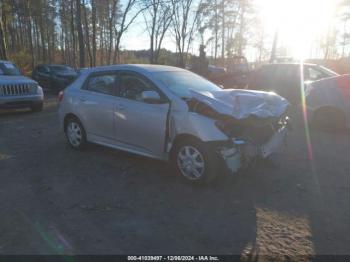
[275, 143]
[243, 153]
[232, 158]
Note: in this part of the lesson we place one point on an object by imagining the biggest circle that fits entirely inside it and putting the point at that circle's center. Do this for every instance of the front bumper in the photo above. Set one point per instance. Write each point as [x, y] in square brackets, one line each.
[242, 153]
[20, 101]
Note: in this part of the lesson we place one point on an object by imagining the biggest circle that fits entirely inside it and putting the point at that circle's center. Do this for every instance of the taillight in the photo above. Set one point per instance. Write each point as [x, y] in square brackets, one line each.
[60, 96]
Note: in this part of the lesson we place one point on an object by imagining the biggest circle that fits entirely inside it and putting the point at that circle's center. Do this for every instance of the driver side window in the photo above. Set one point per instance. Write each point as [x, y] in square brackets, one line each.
[132, 86]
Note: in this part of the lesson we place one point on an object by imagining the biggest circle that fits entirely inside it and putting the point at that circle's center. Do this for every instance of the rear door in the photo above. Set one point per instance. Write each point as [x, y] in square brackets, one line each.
[139, 125]
[96, 104]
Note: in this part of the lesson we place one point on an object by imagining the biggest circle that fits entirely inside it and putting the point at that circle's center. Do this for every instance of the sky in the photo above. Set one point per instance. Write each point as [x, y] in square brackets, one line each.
[300, 24]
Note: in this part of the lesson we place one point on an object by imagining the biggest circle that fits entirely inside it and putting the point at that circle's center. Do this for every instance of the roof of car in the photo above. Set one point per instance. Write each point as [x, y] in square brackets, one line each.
[136, 67]
[52, 65]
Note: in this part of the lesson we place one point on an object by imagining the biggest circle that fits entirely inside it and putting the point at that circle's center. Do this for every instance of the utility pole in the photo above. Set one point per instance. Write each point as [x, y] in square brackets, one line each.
[274, 47]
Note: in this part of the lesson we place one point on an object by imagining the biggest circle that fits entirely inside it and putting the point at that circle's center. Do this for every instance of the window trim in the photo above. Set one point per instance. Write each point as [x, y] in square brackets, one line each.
[95, 74]
[163, 96]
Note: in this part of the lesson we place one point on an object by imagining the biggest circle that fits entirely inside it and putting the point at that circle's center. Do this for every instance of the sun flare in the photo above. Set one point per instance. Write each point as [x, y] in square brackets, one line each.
[299, 22]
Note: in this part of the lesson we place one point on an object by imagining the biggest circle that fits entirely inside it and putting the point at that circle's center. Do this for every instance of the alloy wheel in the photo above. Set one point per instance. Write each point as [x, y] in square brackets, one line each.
[74, 134]
[191, 162]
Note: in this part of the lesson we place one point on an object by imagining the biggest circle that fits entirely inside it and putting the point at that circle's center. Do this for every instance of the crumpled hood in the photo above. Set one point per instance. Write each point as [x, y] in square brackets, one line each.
[241, 103]
[6, 80]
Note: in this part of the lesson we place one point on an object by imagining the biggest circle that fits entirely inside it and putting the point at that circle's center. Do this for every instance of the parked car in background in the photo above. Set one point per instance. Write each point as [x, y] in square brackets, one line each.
[18, 91]
[54, 77]
[328, 102]
[236, 75]
[285, 78]
[216, 71]
[175, 115]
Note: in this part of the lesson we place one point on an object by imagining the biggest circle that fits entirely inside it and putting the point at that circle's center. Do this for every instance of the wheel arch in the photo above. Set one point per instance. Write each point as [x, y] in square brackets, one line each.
[67, 117]
[315, 117]
[180, 138]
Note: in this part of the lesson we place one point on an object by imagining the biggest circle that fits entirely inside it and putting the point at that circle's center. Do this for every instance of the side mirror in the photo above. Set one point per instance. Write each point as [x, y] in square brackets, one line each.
[151, 97]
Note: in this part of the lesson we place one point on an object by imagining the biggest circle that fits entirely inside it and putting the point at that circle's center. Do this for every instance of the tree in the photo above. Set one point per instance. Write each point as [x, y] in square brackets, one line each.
[157, 16]
[80, 35]
[93, 40]
[3, 48]
[184, 23]
[126, 21]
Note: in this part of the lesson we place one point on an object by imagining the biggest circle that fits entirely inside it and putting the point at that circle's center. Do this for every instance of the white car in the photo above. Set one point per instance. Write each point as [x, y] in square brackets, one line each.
[174, 115]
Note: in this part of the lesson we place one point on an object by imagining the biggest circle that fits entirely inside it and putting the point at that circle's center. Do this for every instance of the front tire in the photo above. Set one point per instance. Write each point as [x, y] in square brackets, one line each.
[75, 133]
[195, 161]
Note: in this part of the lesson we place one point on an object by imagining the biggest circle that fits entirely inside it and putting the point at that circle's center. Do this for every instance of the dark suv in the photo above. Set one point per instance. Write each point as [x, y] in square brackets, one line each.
[285, 80]
[54, 77]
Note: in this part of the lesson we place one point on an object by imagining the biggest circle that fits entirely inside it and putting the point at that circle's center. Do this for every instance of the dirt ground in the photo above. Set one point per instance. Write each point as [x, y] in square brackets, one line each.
[55, 200]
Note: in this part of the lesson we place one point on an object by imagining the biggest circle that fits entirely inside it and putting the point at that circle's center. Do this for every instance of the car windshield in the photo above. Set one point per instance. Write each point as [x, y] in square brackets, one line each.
[314, 73]
[9, 69]
[62, 69]
[182, 82]
[327, 71]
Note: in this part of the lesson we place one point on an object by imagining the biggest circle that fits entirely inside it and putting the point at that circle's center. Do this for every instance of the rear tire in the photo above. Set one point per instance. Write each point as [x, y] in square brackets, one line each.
[329, 119]
[75, 133]
[37, 107]
[195, 161]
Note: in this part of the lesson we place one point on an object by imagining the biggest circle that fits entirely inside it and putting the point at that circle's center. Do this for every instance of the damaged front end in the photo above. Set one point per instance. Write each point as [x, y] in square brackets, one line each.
[255, 124]
[251, 141]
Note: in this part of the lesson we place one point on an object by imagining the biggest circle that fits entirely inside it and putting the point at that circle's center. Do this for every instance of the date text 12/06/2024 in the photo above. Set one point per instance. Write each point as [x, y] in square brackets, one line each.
[173, 258]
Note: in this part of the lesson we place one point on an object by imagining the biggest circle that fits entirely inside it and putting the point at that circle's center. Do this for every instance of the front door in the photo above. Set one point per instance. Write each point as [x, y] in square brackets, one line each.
[140, 125]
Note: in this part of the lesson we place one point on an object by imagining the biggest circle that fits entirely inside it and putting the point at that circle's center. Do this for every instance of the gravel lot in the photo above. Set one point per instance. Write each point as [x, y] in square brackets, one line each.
[55, 200]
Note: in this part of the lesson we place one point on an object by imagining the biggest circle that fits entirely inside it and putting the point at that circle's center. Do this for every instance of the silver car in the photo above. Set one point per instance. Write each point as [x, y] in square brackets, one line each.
[18, 91]
[328, 102]
[172, 114]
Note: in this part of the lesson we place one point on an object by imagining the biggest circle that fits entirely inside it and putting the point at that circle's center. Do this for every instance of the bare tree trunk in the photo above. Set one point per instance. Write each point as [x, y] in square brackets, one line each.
[101, 46]
[223, 32]
[3, 49]
[80, 35]
[73, 34]
[241, 30]
[216, 31]
[111, 31]
[30, 37]
[93, 20]
[87, 35]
